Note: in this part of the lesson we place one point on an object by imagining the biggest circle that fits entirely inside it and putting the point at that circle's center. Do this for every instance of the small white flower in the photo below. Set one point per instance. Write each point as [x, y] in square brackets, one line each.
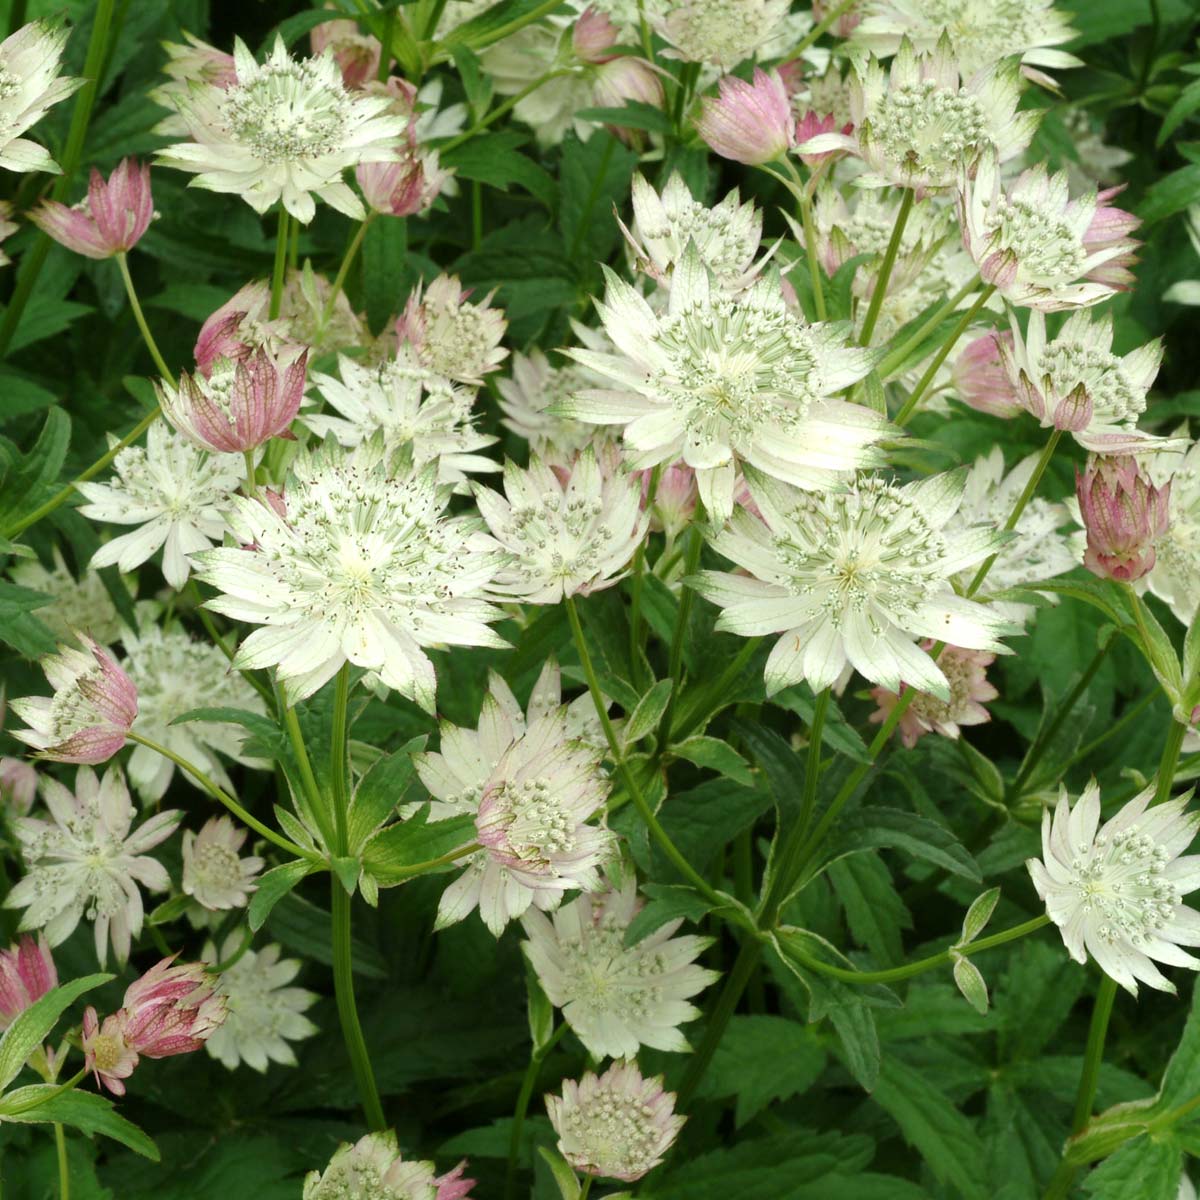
[262, 1013]
[373, 1169]
[213, 874]
[365, 568]
[174, 673]
[1175, 577]
[173, 491]
[1114, 891]
[86, 861]
[854, 577]
[451, 336]
[616, 997]
[534, 389]
[719, 381]
[78, 604]
[411, 406]
[30, 60]
[722, 33]
[283, 131]
[564, 536]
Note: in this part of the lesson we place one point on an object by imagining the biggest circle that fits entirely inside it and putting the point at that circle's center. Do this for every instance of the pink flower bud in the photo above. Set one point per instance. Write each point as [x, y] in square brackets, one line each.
[452, 1185]
[748, 122]
[1108, 232]
[675, 499]
[356, 54]
[27, 973]
[625, 80]
[403, 188]
[810, 126]
[240, 405]
[18, 785]
[981, 379]
[111, 220]
[239, 327]
[593, 34]
[1123, 513]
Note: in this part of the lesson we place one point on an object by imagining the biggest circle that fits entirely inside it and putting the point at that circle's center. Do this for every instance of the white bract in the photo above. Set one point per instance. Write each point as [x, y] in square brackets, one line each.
[82, 603]
[1175, 577]
[1114, 890]
[854, 578]
[720, 32]
[535, 387]
[30, 84]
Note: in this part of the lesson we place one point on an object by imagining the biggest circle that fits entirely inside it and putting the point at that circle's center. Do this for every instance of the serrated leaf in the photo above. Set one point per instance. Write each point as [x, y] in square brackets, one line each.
[969, 980]
[979, 914]
[1149, 1169]
[29, 1029]
[875, 827]
[874, 911]
[712, 754]
[396, 853]
[645, 717]
[84, 1111]
[379, 791]
[273, 886]
[668, 902]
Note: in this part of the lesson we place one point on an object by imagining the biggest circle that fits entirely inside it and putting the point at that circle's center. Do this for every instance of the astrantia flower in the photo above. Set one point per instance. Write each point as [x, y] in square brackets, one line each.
[536, 387]
[982, 31]
[88, 718]
[1114, 891]
[240, 327]
[412, 406]
[1175, 578]
[451, 336]
[173, 491]
[719, 381]
[853, 577]
[357, 54]
[921, 124]
[1076, 383]
[283, 131]
[263, 1014]
[366, 568]
[239, 404]
[726, 236]
[1124, 515]
[174, 674]
[719, 32]
[111, 220]
[980, 379]
[27, 973]
[374, 1169]
[87, 860]
[82, 603]
[748, 122]
[617, 1125]
[567, 532]
[616, 997]
[1037, 246]
[30, 84]
[213, 874]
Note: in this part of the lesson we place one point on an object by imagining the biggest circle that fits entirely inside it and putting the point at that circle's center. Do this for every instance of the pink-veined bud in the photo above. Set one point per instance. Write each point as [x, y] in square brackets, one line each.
[1123, 513]
[110, 220]
[625, 80]
[403, 188]
[241, 404]
[748, 122]
[172, 1009]
[810, 126]
[93, 708]
[239, 327]
[27, 973]
[452, 1185]
[593, 35]
[981, 379]
[357, 54]
[18, 785]
[674, 500]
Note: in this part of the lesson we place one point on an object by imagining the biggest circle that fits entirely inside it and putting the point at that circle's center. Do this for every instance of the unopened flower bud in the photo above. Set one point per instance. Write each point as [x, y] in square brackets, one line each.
[1123, 513]
[27, 973]
[594, 34]
[625, 80]
[748, 122]
[810, 126]
[403, 188]
[981, 379]
[112, 218]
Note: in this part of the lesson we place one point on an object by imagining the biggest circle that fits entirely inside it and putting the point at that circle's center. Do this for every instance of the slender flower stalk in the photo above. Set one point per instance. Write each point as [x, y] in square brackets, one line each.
[280, 269]
[140, 318]
[347, 262]
[885, 272]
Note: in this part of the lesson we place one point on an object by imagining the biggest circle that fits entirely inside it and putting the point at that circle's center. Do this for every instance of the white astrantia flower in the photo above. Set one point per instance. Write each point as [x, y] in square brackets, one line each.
[854, 578]
[411, 406]
[365, 568]
[1114, 891]
[175, 673]
[532, 782]
[214, 875]
[983, 32]
[721, 33]
[77, 604]
[1043, 544]
[263, 1013]
[283, 131]
[30, 84]
[719, 381]
[568, 532]
[87, 860]
[536, 386]
[451, 335]
[616, 997]
[1175, 576]
[726, 236]
[173, 491]
[374, 1169]
[1075, 382]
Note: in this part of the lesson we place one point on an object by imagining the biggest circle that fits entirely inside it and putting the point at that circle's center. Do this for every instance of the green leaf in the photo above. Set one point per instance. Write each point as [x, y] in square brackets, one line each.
[387, 270]
[712, 754]
[497, 22]
[21, 395]
[495, 160]
[874, 910]
[170, 910]
[969, 980]
[305, 928]
[539, 1010]
[564, 1176]
[979, 914]
[1170, 194]
[1186, 103]
[875, 827]
[837, 734]
[595, 176]
[27, 483]
[645, 717]
[391, 856]
[668, 902]
[632, 115]
[1149, 1169]
[29, 1029]
[273, 886]
[84, 1111]
[379, 791]
[44, 317]
[18, 627]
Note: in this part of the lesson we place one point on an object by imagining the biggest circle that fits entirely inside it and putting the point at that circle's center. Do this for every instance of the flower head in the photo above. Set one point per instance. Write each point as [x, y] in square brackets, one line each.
[719, 381]
[1124, 515]
[30, 84]
[365, 568]
[853, 577]
[27, 973]
[1175, 577]
[88, 718]
[616, 997]
[88, 859]
[1114, 890]
[374, 1169]
[283, 131]
[567, 532]
[240, 404]
[263, 1013]
[357, 55]
[82, 603]
[110, 221]
[240, 327]
[213, 874]
[105, 1053]
[173, 492]
[748, 122]
[618, 1125]
[527, 399]
[451, 336]
[720, 32]
[404, 188]
[1039, 248]
[980, 378]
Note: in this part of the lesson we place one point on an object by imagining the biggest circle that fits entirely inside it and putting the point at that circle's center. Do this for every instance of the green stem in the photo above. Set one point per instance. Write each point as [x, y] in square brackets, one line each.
[1131, 713]
[251, 486]
[61, 497]
[639, 576]
[894, 357]
[885, 270]
[308, 780]
[586, 1187]
[1170, 760]
[218, 793]
[812, 768]
[1031, 488]
[728, 677]
[659, 834]
[940, 357]
[339, 280]
[819, 28]
[679, 636]
[280, 268]
[140, 318]
[339, 760]
[528, 1083]
[64, 1166]
[684, 88]
[501, 109]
